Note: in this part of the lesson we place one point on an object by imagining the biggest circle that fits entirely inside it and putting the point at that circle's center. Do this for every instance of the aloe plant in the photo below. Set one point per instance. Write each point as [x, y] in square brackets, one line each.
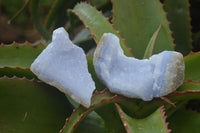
[145, 27]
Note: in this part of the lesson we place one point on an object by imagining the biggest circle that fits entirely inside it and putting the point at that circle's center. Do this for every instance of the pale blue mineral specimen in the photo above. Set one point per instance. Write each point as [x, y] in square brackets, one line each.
[64, 66]
[157, 76]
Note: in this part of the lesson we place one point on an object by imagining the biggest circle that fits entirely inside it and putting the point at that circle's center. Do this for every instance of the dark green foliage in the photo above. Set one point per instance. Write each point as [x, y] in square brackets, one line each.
[30, 106]
[89, 15]
[27, 105]
[19, 55]
[178, 15]
[138, 23]
[192, 66]
[184, 121]
[155, 123]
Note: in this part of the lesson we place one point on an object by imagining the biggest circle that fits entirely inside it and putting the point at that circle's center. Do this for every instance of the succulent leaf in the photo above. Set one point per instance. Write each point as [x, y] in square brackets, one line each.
[111, 118]
[178, 15]
[92, 123]
[28, 106]
[187, 91]
[189, 86]
[184, 121]
[19, 55]
[98, 102]
[96, 23]
[151, 45]
[18, 72]
[99, 85]
[137, 20]
[192, 65]
[155, 123]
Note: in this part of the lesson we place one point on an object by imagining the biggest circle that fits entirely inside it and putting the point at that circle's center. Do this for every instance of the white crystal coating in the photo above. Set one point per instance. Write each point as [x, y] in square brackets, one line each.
[64, 66]
[157, 76]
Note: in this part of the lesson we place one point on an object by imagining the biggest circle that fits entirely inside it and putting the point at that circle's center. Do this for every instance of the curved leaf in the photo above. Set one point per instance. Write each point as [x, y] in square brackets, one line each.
[96, 23]
[137, 20]
[19, 55]
[188, 91]
[192, 66]
[155, 123]
[91, 124]
[18, 72]
[99, 101]
[98, 83]
[189, 86]
[151, 45]
[27, 106]
[178, 14]
[185, 121]
[111, 118]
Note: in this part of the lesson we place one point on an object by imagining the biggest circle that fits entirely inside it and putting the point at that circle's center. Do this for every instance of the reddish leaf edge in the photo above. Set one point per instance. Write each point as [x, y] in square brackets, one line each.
[107, 19]
[23, 78]
[34, 45]
[111, 98]
[177, 96]
[162, 111]
[191, 53]
[190, 20]
[15, 68]
[117, 99]
[123, 118]
[168, 22]
[186, 95]
[154, 42]
[25, 70]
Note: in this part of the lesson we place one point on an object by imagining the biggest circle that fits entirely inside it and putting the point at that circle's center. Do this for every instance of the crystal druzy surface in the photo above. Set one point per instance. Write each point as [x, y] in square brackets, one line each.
[157, 76]
[63, 65]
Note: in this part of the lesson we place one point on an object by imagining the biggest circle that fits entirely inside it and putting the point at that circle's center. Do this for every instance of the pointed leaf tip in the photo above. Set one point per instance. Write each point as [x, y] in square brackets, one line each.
[155, 123]
[138, 22]
[97, 23]
[151, 45]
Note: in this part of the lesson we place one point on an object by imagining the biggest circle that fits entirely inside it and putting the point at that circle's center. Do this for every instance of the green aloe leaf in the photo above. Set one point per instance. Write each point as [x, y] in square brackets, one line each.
[91, 124]
[188, 91]
[155, 123]
[98, 2]
[137, 20]
[192, 65]
[151, 45]
[19, 72]
[28, 106]
[178, 14]
[189, 86]
[111, 118]
[101, 101]
[19, 55]
[96, 23]
[84, 40]
[98, 83]
[15, 59]
[185, 121]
